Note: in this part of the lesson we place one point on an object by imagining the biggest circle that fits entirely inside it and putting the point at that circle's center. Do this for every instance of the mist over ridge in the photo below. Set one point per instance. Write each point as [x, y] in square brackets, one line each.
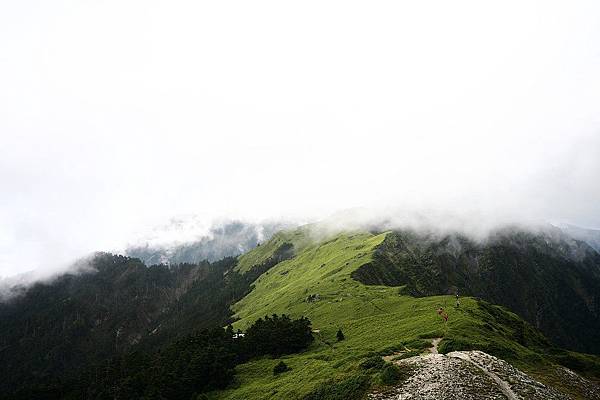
[436, 109]
[192, 239]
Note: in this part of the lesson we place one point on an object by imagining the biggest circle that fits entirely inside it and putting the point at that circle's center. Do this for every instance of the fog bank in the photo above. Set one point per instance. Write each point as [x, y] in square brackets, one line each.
[116, 117]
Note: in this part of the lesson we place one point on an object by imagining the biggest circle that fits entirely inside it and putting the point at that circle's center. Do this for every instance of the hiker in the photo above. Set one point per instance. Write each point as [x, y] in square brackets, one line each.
[457, 301]
[442, 314]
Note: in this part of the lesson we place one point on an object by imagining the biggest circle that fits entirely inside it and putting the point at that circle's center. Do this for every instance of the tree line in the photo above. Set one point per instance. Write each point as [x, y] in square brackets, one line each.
[183, 370]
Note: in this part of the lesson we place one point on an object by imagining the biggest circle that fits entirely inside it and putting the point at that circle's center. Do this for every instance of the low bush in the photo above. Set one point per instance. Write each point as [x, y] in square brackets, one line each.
[454, 344]
[393, 374]
[374, 362]
[280, 368]
[585, 364]
[390, 374]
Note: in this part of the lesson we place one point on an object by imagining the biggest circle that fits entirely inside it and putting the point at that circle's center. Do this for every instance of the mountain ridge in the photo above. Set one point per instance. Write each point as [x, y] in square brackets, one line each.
[298, 273]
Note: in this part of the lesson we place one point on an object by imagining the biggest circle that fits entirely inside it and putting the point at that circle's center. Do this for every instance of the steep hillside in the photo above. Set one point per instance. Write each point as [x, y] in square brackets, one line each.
[114, 306]
[317, 277]
[295, 240]
[317, 283]
[121, 329]
[549, 279]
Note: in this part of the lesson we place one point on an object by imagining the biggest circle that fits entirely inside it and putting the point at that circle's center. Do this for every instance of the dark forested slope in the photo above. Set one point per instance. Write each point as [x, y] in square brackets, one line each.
[113, 305]
[546, 277]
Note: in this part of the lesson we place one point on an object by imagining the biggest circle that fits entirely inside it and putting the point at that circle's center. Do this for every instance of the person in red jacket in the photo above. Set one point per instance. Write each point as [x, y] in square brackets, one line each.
[442, 314]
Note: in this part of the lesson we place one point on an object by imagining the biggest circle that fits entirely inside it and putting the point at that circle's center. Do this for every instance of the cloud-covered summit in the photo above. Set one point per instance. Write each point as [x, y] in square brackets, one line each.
[115, 117]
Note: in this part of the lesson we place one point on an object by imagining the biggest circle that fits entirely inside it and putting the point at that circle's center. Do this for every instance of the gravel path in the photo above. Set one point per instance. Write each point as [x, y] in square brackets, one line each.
[502, 384]
[434, 345]
[464, 375]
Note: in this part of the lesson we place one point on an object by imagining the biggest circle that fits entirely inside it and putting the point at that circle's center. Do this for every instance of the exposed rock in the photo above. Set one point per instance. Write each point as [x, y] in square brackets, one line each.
[466, 375]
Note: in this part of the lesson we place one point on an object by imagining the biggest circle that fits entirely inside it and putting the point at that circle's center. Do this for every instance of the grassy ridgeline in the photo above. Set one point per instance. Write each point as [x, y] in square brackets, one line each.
[375, 320]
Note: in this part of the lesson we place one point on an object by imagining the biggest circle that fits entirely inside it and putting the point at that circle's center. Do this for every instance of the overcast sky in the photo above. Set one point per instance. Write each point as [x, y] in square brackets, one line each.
[118, 115]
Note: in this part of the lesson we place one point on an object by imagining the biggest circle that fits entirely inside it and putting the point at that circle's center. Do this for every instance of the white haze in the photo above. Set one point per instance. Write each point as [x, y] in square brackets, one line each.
[116, 116]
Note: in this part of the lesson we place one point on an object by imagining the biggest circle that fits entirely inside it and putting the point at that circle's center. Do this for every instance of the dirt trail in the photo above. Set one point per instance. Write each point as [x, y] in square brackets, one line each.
[434, 345]
[433, 350]
[503, 385]
[464, 375]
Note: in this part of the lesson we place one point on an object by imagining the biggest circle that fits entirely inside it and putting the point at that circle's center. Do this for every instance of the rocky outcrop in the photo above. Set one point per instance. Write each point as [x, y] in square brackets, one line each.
[466, 375]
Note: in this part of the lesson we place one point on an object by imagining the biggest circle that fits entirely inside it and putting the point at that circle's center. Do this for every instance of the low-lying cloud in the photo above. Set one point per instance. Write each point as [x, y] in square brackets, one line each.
[117, 117]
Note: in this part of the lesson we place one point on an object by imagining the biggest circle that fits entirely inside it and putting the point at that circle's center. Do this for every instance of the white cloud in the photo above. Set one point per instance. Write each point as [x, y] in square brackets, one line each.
[117, 115]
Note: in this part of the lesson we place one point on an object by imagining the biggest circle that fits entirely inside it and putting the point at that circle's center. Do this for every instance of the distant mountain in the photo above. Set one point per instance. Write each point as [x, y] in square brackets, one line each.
[227, 239]
[590, 236]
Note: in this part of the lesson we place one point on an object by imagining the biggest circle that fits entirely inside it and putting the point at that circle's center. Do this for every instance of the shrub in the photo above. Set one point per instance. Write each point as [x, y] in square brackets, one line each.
[500, 350]
[455, 344]
[390, 374]
[374, 362]
[280, 368]
[579, 362]
[393, 374]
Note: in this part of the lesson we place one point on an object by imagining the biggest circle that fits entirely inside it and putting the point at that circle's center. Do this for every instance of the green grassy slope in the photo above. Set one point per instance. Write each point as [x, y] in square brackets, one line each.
[375, 319]
[299, 238]
[321, 269]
